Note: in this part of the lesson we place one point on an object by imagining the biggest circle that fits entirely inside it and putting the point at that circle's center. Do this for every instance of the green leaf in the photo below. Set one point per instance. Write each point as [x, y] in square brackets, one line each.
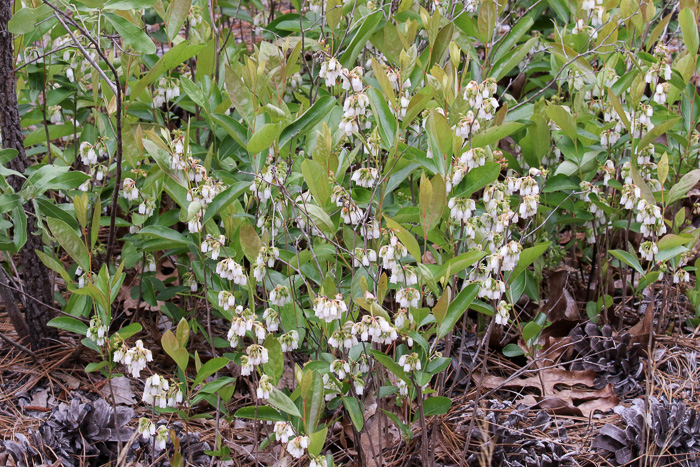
[618, 109]
[65, 181]
[209, 368]
[318, 439]
[671, 241]
[177, 14]
[225, 198]
[457, 308]
[561, 182]
[390, 364]
[494, 134]
[162, 232]
[440, 308]
[6, 155]
[353, 407]
[436, 365]
[689, 27]
[477, 179]
[406, 237]
[281, 401]
[643, 187]
[487, 18]
[24, 20]
[383, 79]
[307, 120]
[662, 169]
[182, 333]
[250, 242]
[131, 34]
[416, 106]
[441, 45]
[220, 382]
[385, 119]
[468, 25]
[629, 259]
[527, 257]
[312, 393]
[624, 82]
[658, 29]
[275, 363]
[95, 366]
[513, 350]
[128, 4]
[321, 218]
[264, 413]
[241, 97]
[235, 130]
[509, 61]
[95, 227]
[69, 324]
[194, 92]
[657, 131]
[561, 8]
[432, 200]
[38, 136]
[173, 57]
[537, 142]
[9, 202]
[316, 177]
[437, 405]
[54, 266]
[19, 222]
[683, 186]
[70, 241]
[522, 26]
[531, 330]
[128, 331]
[264, 137]
[460, 263]
[564, 119]
[440, 133]
[172, 347]
[334, 11]
[360, 38]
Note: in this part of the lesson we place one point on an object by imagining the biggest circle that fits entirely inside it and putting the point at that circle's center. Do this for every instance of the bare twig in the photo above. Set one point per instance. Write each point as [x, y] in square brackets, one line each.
[116, 88]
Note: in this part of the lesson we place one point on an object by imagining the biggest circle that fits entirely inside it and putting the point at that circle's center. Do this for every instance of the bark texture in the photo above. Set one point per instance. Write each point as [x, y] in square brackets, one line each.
[35, 276]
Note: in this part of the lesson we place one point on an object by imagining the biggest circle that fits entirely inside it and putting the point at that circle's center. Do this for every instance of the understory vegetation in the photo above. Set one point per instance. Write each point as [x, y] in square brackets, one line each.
[324, 233]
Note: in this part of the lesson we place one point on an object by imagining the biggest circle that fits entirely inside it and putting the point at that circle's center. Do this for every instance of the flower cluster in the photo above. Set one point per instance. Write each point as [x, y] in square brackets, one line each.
[480, 98]
[266, 259]
[168, 89]
[280, 295]
[228, 269]
[129, 190]
[97, 331]
[134, 358]
[160, 393]
[327, 309]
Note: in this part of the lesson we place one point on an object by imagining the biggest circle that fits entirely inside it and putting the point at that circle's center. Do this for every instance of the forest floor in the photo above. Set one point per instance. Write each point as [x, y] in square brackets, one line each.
[558, 408]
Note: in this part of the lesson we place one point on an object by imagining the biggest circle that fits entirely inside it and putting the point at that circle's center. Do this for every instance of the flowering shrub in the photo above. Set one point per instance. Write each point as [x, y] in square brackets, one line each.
[335, 193]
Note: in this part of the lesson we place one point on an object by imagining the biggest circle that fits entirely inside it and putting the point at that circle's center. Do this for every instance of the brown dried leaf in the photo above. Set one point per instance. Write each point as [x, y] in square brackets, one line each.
[575, 402]
[428, 258]
[561, 304]
[550, 378]
[121, 388]
[641, 331]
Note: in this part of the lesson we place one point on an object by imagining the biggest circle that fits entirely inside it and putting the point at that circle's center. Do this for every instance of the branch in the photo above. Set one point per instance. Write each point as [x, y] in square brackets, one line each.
[19, 346]
[116, 88]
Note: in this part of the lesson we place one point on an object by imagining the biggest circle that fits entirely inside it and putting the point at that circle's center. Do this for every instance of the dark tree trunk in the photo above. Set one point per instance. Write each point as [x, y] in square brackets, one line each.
[35, 276]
